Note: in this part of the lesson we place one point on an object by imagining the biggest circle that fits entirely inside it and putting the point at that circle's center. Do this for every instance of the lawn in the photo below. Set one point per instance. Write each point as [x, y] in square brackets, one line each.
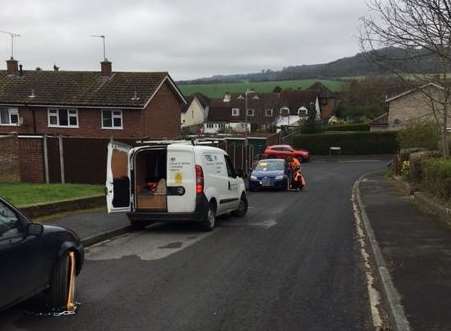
[218, 90]
[23, 194]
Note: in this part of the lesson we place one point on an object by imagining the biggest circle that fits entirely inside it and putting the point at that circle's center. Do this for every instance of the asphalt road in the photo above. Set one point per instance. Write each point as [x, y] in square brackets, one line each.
[291, 264]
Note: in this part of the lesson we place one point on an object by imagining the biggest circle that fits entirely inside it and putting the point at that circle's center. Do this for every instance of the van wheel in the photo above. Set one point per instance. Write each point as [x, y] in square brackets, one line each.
[242, 208]
[59, 284]
[137, 225]
[210, 219]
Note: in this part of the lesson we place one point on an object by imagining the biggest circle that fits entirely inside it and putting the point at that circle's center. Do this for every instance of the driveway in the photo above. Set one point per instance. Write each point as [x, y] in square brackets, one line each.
[291, 264]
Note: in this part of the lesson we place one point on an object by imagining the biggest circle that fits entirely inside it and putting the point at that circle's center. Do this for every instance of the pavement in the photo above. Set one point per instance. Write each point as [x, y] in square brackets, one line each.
[90, 225]
[292, 263]
[416, 248]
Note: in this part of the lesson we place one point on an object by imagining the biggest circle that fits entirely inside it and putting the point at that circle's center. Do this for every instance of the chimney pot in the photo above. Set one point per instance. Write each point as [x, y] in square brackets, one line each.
[106, 68]
[12, 66]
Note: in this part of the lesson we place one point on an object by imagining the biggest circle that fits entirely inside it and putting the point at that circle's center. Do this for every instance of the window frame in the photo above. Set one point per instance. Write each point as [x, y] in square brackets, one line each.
[271, 112]
[282, 109]
[251, 112]
[236, 112]
[113, 116]
[304, 110]
[11, 111]
[52, 112]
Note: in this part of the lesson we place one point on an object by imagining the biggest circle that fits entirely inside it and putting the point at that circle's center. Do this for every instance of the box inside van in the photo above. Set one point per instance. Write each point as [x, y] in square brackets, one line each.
[150, 179]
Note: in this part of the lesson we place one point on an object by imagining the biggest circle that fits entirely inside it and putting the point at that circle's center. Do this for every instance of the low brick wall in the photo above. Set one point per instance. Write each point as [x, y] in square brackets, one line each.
[47, 209]
[9, 159]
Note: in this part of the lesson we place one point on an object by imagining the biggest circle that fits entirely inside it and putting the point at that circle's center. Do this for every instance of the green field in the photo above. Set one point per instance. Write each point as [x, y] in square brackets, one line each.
[218, 90]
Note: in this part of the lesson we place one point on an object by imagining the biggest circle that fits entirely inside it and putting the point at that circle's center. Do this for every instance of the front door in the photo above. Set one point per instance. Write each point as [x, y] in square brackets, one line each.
[118, 183]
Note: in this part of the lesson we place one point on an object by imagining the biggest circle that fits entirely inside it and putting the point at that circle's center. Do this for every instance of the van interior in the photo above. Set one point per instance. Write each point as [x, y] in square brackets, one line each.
[150, 179]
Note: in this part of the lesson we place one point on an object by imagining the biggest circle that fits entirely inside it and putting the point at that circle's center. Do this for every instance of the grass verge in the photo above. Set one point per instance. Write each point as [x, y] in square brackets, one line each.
[25, 194]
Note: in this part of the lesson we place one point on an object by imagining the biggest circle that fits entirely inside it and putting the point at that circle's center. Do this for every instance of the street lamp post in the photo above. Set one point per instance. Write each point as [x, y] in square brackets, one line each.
[246, 142]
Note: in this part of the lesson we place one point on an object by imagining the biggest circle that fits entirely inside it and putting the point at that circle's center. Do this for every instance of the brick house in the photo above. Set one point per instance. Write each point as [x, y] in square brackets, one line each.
[266, 111]
[409, 106]
[56, 124]
[102, 104]
[196, 110]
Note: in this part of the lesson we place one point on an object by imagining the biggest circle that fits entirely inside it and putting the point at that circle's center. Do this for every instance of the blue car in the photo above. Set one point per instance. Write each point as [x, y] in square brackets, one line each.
[270, 173]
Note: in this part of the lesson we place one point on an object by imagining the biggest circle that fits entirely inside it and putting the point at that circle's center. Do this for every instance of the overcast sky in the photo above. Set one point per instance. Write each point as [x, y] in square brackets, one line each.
[188, 38]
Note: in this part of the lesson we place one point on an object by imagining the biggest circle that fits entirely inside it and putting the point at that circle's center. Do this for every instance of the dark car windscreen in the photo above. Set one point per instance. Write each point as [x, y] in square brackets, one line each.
[273, 165]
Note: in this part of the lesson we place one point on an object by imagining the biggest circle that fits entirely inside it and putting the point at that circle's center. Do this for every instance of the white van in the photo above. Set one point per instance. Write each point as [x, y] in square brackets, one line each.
[177, 181]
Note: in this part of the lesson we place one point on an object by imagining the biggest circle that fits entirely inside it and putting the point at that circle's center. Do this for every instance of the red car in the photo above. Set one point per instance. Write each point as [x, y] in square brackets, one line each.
[284, 151]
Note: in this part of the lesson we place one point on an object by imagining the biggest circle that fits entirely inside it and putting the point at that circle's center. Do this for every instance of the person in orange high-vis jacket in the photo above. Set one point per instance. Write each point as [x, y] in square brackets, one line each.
[297, 179]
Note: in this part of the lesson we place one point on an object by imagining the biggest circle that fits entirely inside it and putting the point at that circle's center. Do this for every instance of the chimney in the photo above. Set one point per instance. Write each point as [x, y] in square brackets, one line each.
[12, 66]
[106, 68]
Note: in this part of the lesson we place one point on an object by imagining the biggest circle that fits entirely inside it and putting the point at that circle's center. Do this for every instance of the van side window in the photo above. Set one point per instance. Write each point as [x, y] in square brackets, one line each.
[230, 170]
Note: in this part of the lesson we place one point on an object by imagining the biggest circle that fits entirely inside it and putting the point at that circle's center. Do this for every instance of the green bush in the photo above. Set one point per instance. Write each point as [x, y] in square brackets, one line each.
[420, 134]
[349, 127]
[437, 177]
[350, 142]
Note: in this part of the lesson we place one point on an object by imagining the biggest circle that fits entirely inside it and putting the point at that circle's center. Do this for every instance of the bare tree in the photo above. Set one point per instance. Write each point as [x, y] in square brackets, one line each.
[414, 31]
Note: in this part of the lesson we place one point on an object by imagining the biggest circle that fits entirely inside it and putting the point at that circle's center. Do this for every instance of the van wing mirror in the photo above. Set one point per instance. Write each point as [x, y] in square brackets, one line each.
[239, 173]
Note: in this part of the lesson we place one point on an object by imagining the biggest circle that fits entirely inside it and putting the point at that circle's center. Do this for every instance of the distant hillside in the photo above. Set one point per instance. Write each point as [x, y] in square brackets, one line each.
[357, 65]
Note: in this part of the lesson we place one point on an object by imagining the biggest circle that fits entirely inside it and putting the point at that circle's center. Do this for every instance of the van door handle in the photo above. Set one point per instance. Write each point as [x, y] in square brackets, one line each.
[230, 187]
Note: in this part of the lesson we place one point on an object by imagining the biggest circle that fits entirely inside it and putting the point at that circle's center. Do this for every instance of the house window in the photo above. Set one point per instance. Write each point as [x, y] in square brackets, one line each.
[251, 112]
[235, 112]
[65, 118]
[111, 119]
[9, 116]
[303, 112]
[268, 112]
[284, 111]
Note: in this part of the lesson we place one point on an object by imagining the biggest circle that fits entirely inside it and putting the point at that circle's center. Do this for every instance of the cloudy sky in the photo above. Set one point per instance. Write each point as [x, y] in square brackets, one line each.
[188, 38]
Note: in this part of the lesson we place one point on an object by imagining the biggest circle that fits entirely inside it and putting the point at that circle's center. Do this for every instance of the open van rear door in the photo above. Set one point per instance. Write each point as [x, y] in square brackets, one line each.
[118, 183]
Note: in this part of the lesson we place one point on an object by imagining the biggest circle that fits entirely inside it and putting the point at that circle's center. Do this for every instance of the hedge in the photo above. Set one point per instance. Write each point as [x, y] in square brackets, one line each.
[349, 127]
[350, 142]
[437, 177]
[422, 134]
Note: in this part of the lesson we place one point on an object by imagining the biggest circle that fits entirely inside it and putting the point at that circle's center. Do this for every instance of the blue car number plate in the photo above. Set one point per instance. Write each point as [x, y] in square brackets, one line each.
[266, 182]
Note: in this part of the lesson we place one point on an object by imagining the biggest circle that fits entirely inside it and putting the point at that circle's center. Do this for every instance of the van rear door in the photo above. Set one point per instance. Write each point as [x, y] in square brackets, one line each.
[181, 179]
[118, 183]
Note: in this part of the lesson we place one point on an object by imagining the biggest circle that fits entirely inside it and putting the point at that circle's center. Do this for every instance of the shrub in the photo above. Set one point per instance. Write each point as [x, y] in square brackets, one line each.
[349, 127]
[350, 142]
[437, 177]
[420, 134]
[416, 161]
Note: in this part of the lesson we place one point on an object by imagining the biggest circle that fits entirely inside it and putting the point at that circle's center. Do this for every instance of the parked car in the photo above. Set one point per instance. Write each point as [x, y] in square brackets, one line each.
[173, 182]
[284, 151]
[270, 173]
[36, 259]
